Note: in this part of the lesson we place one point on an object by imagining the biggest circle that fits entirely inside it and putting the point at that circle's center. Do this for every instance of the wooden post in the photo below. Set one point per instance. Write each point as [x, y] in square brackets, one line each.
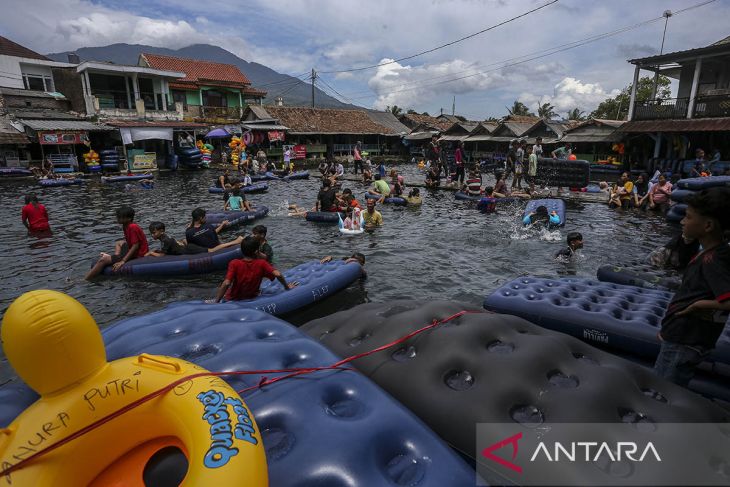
[695, 84]
[632, 101]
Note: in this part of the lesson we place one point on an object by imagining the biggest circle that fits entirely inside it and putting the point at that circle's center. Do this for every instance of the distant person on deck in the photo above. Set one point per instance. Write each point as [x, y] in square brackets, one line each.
[133, 246]
[34, 215]
[519, 163]
[244, 276]
[357, 156]
[696, 315]
[531, 168]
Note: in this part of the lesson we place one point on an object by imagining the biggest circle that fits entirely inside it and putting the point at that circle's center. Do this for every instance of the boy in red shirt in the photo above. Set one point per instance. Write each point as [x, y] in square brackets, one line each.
[133, 246]
[244, 276]
[34, 215]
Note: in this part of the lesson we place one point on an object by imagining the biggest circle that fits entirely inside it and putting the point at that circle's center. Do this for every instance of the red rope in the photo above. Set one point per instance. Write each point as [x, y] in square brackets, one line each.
[292, 372]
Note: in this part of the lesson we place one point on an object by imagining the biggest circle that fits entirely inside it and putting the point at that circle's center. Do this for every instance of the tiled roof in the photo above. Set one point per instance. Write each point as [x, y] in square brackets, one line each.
[387, 119]
[64, 125]
[254, 92]
[199, 72]
[437, 123]
[161, 123]
[327, 121]
[679, 125]
[10, 48]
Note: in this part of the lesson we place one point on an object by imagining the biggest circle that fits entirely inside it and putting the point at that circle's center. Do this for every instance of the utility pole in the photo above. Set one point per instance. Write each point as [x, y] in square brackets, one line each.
[314, 76]
[453, 107]
[666, 14]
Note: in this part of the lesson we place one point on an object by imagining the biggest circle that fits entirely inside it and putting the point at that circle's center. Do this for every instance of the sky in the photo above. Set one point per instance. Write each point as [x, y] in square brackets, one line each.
[496, 67]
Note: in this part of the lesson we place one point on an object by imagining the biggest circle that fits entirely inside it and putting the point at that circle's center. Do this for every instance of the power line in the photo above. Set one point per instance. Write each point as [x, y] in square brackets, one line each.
[342, 97]
[286, 80]
[295, 84]
[443, 45]
[532, 56]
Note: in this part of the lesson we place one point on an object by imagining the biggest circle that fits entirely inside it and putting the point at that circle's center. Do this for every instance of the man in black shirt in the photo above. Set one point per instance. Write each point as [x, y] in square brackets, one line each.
[698, 311]
[575, 242]
[327, 197]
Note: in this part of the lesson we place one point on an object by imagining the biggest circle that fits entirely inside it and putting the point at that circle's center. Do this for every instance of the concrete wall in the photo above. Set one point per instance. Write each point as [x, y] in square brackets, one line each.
[13, 101]
[11, 77]
[68, 82]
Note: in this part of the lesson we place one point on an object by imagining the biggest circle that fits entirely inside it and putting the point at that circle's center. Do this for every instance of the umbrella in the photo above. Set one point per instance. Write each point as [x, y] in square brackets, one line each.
[217, 133]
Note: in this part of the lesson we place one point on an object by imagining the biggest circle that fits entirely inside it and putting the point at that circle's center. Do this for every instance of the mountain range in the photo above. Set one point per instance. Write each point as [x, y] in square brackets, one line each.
[294, 91]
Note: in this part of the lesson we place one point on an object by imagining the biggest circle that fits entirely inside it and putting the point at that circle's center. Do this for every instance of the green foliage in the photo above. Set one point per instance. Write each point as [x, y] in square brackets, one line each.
[617, 108]
[395, 110]
[519, 108]
[576, 114]
[546, 111]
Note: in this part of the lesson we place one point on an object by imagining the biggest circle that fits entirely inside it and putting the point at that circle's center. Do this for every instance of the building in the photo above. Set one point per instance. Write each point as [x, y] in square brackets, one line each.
[326, 132]
[209, 92]
[24, 69]
[669, 130]
[426, 122]
[594, 140]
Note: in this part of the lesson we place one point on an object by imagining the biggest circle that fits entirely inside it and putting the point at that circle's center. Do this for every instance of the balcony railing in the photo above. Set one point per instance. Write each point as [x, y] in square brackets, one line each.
[712, 106]
[206, 112]
[661, 109]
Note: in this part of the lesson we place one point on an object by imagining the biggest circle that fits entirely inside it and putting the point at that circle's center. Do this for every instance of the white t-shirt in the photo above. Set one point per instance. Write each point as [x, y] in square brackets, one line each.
[287, 155]
[537, 150]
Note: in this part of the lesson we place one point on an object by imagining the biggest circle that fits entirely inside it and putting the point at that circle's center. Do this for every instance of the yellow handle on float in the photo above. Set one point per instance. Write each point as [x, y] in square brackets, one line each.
[157, 362]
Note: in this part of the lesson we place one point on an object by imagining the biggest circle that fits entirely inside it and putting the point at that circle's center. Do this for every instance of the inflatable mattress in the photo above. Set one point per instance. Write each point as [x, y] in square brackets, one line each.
[680, 195]
[177, 265]
[15, 171]
[264, 177]
[59, 182]
[677, 212]
[253, 188]
[552, 204]
[624, 318]
[696, 184]
[640, 274]
[500, 369]
[316, 282]
[331, 217]
[124, 179]
[297, 175]
[329, 428]
[236, 218]
[468, 197]
[391, 200]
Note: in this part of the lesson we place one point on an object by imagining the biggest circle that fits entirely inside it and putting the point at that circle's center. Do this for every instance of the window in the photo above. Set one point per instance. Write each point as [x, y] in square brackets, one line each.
[179, 96]
[38, 82]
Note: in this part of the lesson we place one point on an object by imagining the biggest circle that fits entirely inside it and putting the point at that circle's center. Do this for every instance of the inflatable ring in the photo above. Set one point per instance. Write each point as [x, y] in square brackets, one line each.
[345, 231]
[198, 431]
[247, 138]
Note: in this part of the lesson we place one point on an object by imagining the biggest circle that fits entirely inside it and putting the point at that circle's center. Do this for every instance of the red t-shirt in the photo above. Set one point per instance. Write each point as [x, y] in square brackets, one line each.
[133, 234]
[37, 217]
[246, 277]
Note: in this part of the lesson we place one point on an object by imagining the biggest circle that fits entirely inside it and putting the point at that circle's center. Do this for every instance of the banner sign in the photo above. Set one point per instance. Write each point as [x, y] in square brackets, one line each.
[63, 138]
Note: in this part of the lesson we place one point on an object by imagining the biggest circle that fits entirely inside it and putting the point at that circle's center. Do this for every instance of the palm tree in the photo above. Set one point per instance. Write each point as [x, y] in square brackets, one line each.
[519, 108]
[576, 114]
[395, 110]
[546, 111]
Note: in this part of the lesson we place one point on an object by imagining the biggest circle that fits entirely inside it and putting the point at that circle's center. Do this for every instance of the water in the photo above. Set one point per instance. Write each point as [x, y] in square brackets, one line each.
[442, 250]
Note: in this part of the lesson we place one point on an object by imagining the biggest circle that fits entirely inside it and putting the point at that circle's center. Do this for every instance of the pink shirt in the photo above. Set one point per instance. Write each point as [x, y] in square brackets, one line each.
[660, 194]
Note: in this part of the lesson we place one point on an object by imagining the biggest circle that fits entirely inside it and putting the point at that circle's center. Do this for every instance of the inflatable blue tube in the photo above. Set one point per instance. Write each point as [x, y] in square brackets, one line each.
[551, 205]
[640, 274]
[626, 318]
[260, 187]
[59, 182]
[459, 195]
[696, 184]
[676, 213]
[264, 177]
[390, 200]
[112, 165]
[680, 195]
[236, 218]
[177, 265]
[124, 179]
[331, 217]
[15, 171]
[318, 428]
[297, 175]
[593, 189]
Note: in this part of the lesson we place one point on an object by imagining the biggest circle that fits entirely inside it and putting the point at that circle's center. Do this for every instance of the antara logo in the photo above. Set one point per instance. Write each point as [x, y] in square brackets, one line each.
[578, 451]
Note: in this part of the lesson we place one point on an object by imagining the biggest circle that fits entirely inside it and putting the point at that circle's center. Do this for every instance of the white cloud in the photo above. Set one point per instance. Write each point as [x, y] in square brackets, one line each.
[571, 93]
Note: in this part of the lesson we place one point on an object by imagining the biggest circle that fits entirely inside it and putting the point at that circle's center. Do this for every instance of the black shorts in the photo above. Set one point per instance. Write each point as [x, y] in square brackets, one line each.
[116, 258]
[191, 248]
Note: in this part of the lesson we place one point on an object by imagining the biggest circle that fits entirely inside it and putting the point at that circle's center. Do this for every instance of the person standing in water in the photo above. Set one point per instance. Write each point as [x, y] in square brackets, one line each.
[34, 215]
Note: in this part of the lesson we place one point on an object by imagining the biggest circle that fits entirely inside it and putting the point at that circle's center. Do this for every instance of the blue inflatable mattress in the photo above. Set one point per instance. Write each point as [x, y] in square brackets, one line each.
[260, 187]
[236, 218]
[330, 217]
[680, 195]
[124, 179]
[552, 204]
[59, 182]
[391, 200]
[503, 370]
[328, 428]
[264, 177]
[468, 197]
[15, 171]
[177, 265]
[297, 175]
[641, 274]
[703, 183]
[677, 212]
[625, 318]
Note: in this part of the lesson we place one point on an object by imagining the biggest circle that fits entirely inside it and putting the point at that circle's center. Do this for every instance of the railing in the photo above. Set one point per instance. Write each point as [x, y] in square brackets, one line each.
[206, 112]
[661, 109]
[112, 99]
[712, 106]
[348, 148]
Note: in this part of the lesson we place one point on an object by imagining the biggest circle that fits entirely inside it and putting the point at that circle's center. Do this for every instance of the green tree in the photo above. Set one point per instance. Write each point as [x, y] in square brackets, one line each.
[617, 108]
[395, 110]
[411, 111]
[576, 114]
[426, 113]
[546, 111]
[519, 108]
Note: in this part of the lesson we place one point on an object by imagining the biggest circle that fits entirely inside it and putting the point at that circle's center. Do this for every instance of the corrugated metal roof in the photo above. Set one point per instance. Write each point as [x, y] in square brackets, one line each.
[453, 137]
[41, 114]
[478, 138]
[681, 125]
[263, 126]
[11, 135]
[387, 119]
[155, 123]
[260, 112]
[419, 136]
[717, 48]
[64, 125]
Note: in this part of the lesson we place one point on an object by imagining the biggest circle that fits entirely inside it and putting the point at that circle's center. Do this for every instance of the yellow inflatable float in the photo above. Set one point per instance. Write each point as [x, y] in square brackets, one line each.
[139, 421]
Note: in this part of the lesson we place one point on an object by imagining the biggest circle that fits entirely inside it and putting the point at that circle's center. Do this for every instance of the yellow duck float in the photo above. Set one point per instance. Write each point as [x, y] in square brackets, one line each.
[139, 421]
